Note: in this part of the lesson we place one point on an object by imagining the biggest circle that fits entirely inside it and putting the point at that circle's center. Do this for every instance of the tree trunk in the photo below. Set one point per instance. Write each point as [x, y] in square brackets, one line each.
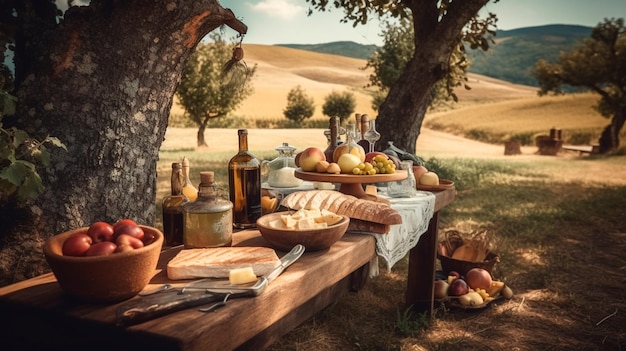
[609, 139]
[200, 136]
[103, 83]
[401, 115]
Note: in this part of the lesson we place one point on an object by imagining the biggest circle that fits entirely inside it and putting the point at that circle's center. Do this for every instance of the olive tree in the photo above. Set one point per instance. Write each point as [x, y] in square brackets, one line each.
[214, 83]
[101, 79]
[340, 104]
[598, 63]
[439, 26]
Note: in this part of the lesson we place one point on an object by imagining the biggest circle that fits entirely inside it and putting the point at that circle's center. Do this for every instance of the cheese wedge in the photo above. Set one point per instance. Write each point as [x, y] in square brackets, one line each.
[241, 276]
[218, 262]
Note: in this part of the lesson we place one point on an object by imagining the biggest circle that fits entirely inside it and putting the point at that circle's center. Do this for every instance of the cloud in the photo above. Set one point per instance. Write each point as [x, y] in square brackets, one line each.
[284, 9]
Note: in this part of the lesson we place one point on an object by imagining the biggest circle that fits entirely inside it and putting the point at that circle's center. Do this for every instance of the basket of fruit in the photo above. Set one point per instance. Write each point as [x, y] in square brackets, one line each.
[460, 255]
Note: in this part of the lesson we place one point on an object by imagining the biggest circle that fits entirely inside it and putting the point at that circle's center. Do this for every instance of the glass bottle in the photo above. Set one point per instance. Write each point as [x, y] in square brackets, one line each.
[189, 189]
[351, 140]
[208, 221]
[172, 208]
[372, 135]
[279, 172]
[357, 126]
[244, 179]
[365, 122]
[333, 134]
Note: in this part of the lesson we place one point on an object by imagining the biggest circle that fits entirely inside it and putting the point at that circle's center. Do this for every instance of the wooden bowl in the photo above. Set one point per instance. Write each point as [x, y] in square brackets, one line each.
[104, 279]
[312, 239]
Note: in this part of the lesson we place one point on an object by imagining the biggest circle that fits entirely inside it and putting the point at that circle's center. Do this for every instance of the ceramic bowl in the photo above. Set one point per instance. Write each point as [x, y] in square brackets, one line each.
[104, 279]
[312, 239]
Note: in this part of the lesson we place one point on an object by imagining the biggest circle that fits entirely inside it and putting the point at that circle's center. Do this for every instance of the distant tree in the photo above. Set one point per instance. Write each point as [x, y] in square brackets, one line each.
[599, 64]
[339, 104]
[213, 84]
[439, 26]
[299, 105]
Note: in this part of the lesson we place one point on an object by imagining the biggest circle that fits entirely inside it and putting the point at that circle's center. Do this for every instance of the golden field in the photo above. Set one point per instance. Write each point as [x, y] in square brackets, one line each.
[280, 69]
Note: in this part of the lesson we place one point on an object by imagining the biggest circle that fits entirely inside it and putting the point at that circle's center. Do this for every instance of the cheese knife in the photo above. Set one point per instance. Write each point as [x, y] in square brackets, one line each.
[197, 293]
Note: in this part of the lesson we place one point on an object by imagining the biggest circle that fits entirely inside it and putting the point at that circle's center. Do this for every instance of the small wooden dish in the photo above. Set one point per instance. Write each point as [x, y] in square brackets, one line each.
[311, 239]
[443, 185]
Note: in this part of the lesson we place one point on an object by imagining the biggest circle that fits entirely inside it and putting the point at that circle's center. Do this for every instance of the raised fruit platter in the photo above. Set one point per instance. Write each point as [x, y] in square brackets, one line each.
[351, 184]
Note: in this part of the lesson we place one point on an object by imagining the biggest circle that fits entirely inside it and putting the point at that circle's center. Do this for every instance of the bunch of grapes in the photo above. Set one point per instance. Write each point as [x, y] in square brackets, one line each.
[379, 165]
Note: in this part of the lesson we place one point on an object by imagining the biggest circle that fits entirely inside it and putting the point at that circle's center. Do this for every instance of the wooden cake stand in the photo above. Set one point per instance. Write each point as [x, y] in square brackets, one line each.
[352, 184]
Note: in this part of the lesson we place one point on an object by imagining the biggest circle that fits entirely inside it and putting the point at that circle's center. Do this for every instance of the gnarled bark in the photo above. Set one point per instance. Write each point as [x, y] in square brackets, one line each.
[102, 81]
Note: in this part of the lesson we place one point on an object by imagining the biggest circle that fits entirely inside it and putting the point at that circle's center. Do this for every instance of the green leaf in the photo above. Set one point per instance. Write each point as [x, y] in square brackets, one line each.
[31, 187]
[19, 136]
[17, 171]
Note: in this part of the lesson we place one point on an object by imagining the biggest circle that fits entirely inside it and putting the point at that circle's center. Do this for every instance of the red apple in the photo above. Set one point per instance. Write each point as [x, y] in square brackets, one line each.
[309, 158]
[370, 155]
[417, 172]
[441, 289]
[478, 278]
[458, 287]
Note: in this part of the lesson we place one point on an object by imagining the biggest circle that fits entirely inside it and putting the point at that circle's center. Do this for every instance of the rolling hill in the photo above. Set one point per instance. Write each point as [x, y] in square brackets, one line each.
[511, 58]
[280, 69]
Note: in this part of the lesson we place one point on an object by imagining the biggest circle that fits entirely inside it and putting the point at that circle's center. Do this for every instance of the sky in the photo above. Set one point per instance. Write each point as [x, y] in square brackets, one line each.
[286, 22]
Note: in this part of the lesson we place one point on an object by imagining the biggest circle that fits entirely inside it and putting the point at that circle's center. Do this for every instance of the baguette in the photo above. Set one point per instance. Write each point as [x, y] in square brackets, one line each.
[357, 225]
[343, 204]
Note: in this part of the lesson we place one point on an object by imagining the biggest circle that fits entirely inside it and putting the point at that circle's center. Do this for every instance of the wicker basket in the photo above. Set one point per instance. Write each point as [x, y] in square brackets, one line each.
[447, 247]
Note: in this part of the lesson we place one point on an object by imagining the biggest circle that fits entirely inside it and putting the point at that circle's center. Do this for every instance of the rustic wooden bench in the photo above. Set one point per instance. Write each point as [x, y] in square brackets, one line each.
[582, 149]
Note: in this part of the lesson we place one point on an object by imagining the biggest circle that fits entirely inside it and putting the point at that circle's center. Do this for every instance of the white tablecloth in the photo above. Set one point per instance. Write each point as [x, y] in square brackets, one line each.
[416, 213]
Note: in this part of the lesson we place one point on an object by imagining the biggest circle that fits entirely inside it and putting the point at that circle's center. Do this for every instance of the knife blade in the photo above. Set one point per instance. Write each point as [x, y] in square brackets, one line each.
[153, 306]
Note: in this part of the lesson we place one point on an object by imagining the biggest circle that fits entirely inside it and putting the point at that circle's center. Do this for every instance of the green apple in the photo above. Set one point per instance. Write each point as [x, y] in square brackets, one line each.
[347, 162]
[429, 178]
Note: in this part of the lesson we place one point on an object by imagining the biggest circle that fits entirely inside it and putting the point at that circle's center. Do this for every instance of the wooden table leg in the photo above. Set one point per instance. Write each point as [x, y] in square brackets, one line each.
[421, 275]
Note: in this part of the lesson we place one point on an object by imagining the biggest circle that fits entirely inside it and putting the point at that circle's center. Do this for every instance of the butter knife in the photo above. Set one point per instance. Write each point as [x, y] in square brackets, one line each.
[199, 293]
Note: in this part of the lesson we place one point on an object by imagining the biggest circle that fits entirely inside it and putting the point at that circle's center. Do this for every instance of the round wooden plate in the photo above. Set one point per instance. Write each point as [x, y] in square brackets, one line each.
[443, 185]
[352, 184]
[350, 178]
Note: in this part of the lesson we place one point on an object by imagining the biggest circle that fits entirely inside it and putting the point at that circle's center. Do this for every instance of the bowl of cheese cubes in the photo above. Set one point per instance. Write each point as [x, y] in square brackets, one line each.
[314, 228]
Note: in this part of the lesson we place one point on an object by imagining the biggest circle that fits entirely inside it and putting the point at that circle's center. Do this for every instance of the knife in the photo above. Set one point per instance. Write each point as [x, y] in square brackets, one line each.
[195, 294]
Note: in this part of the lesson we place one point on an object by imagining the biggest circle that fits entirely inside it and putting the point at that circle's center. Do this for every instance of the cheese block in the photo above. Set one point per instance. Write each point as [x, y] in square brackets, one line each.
[241, 276]
[218, 262]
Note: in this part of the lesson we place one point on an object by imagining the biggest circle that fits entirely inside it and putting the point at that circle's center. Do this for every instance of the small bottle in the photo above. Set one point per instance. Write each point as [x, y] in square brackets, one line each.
[172, 208]
[333, 134]
[357, 126]
[244, 179]
[208, 221]
[365, 122]
[189, 189]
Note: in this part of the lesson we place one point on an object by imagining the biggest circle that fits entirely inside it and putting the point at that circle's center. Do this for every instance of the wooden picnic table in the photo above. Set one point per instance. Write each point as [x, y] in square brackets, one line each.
[36, 315]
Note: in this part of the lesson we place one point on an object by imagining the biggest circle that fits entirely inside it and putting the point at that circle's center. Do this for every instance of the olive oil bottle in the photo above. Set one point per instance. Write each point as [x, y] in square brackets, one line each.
[244, 179]
[208, 221]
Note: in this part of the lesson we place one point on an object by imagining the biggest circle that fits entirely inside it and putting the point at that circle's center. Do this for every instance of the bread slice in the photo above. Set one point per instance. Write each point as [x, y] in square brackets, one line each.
[218, 262]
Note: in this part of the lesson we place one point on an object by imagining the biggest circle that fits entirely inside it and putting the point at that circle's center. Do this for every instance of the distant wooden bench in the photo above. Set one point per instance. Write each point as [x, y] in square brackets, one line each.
[582, 149]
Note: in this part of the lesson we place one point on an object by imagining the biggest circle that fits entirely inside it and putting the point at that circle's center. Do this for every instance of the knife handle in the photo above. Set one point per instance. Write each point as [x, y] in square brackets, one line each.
[149, 307]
